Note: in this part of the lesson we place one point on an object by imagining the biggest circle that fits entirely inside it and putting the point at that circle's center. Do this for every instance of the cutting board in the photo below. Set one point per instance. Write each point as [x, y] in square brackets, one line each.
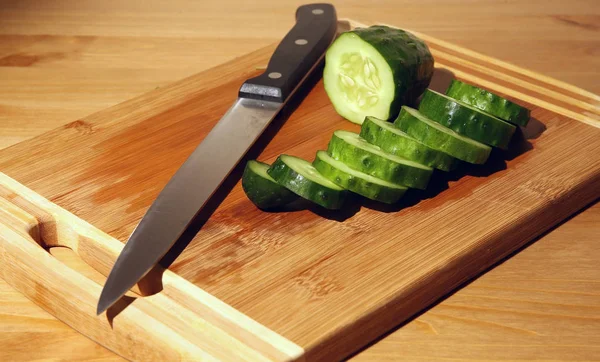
[319, 284]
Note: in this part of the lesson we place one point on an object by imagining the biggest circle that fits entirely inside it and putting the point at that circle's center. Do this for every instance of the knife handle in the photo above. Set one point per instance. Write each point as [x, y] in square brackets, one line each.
[296, 55]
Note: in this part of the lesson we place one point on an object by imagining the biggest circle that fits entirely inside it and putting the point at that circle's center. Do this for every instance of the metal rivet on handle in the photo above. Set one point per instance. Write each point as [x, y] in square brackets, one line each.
[318, 11]
[301, 42]
[274, 75]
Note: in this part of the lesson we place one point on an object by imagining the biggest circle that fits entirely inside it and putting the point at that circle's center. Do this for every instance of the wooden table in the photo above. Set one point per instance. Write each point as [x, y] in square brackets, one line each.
[60, 61]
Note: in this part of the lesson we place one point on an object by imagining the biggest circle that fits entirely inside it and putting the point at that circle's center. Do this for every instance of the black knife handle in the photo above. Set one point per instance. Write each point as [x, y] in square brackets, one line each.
[298, 52]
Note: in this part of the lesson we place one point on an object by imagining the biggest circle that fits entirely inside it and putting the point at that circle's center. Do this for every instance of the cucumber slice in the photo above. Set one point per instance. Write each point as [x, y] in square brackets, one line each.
[300, 177]
[360, 155]
[466, 120]
[373, 71]
[261, 189]
[356, 181]
[441, 138]
[488, 102]
[392, 140]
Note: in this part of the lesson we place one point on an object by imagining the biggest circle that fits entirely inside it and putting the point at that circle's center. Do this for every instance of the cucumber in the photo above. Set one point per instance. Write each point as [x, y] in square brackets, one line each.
[261, 189]
[373, 71]
[466, 120]
[441, 138]
[356, 181]
[392, 140]
[360, 155]
[300, 177]
[488, 102]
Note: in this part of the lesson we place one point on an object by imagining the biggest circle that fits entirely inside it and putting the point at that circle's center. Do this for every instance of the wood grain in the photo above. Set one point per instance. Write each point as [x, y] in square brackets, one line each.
[180, 322]
[537, 306]
[290, 270]
[61, 61]
[124, 55]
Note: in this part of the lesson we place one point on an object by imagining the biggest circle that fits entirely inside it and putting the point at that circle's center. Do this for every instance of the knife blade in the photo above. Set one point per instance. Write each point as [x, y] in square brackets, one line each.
[259, 100]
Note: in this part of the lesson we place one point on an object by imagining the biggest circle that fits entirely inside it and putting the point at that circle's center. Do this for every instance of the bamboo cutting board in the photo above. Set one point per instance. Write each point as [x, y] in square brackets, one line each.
[364, 270]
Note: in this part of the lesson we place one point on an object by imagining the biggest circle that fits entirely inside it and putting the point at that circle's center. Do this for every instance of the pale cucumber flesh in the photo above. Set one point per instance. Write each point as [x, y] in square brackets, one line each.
[357, 79]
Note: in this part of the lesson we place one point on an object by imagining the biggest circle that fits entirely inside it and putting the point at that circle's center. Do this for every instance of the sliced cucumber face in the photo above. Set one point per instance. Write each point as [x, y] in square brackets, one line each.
[488, 102]
[466, 120]
[262, 189]
[360, 155]
[373, 71]
[357, 79]
[393, 140]
[300, 177]
[356, 181]
[440, 137]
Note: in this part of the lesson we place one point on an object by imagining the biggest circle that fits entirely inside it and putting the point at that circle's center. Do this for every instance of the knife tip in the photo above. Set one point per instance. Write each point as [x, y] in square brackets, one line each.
[104, 302]
[102, 306]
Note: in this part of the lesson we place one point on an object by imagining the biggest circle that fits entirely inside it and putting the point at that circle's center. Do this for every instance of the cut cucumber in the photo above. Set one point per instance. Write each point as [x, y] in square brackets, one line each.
[261, 189]
[356, 181]
[373, 71]
[466, 120]
[360, 155]
[441, 138]
[300, 177]
[392, 140]
[488, 102]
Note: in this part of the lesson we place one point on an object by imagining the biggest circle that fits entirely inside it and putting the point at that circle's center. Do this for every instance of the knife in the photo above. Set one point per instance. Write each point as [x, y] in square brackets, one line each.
[259, 100]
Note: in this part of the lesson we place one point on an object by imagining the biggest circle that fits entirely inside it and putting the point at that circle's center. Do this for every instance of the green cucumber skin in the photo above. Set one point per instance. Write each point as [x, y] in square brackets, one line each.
[408, 57]
[489, 102]
[439, 140]
[377, 166]
[470, 122]
[358, 185]
[263, 193]
[298, 184]
[406, 147]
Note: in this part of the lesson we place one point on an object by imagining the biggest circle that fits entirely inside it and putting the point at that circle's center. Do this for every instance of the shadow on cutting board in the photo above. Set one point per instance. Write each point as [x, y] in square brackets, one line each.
[441, 79]
[351, 207]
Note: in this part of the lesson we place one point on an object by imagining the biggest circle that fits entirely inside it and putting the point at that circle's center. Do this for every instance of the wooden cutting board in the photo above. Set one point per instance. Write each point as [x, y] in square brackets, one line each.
[330, 282]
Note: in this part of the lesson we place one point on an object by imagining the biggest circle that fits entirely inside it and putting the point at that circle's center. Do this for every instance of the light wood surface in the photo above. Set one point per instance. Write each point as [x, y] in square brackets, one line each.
[122, 39]
[175, 321]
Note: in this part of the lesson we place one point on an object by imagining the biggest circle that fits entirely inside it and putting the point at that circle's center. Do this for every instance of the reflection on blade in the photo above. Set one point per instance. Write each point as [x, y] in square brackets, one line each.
[186, 193]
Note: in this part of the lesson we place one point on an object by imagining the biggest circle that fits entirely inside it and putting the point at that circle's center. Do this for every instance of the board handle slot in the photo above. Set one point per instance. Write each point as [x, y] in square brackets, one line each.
[27, 266]
[182, 322]
[25, 218]
[49, 230]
